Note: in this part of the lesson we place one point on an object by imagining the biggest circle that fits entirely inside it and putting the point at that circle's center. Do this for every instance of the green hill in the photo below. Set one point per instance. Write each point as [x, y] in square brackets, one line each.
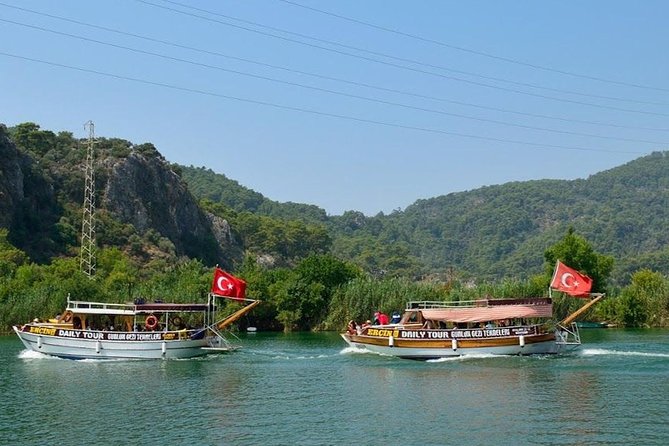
[491, 232]
[153, 209]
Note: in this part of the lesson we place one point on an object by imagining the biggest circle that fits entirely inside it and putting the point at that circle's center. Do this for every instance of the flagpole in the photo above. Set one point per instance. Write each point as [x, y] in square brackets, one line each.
[569, 319]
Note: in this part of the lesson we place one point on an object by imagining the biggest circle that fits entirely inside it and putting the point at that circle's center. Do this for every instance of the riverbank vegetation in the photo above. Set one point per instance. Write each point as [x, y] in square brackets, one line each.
[320, 293]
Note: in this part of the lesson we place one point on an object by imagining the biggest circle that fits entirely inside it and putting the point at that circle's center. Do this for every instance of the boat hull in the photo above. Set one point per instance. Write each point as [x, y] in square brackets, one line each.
[542, 344]
[73, 345]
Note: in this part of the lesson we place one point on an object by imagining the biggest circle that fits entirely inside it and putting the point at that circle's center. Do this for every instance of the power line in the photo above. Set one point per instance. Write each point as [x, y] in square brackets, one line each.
[325, 90]
[311, 111]
[335, 79]
[471, 51]
[401, 59]
[403, 67]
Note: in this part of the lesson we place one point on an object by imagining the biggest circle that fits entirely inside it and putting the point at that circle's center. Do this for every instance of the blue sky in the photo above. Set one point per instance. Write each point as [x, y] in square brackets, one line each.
[349, 105]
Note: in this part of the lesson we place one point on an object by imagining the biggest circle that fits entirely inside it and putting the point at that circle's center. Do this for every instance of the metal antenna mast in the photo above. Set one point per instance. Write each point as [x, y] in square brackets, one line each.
[88, 220]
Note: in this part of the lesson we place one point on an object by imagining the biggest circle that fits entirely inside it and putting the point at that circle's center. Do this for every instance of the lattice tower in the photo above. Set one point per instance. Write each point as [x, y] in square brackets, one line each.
[88, 220]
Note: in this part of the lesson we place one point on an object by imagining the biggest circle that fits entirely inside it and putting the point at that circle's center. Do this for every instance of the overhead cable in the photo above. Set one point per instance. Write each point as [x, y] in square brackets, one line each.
[335, 79]
[329, 91]
[472, 51]
[312, 111]
[395, 65]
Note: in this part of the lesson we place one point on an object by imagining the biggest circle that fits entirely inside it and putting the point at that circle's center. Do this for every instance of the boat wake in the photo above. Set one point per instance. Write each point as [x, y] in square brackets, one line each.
[302, 357]
[286, 355]
[31, 354]
[363, 351]
[354, 351]
[601, 351]
[467, 357]
[105, 360]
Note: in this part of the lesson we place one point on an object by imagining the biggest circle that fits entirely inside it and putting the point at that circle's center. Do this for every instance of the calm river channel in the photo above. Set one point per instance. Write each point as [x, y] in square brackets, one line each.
[309, 389]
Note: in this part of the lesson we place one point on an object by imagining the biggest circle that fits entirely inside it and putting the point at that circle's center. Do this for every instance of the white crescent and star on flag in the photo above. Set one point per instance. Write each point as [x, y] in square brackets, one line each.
[568, 280]
[224, 284]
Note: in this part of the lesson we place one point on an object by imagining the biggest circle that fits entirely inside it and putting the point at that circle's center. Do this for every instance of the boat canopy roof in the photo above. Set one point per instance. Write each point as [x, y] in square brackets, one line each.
[131, 309]
[485, 310]
[162, 307]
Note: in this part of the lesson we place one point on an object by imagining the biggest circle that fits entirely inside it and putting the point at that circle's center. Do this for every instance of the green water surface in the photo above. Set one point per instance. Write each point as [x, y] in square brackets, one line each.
[309, 389]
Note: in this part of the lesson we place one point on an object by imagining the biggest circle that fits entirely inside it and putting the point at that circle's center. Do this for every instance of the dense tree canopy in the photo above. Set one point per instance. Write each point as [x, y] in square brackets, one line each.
[575, 251]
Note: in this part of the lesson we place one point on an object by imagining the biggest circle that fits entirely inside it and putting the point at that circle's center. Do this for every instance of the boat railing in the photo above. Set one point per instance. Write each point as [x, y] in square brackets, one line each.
[428, 304]
[567, 335]
[434, 304]
[99, 307]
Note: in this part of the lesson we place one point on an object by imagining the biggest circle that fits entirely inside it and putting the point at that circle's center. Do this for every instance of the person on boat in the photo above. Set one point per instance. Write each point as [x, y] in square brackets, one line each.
[396, 318]
[178, 323]
[351, 327]
[380, 318]
[366, 324]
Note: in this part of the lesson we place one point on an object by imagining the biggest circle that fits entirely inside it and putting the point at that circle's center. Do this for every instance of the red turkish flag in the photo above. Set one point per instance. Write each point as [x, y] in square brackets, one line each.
[570, 281]
[227, 285]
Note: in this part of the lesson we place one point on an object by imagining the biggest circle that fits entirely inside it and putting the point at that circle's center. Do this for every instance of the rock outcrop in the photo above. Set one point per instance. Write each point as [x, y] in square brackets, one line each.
[28, 206]
[137, 187]
[144, 191]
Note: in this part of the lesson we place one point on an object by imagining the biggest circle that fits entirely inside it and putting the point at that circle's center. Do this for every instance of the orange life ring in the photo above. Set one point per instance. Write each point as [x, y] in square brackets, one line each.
[151, 322]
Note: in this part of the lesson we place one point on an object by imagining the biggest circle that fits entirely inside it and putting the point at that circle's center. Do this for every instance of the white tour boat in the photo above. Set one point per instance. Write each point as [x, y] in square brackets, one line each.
[97, 330]
[429, 330]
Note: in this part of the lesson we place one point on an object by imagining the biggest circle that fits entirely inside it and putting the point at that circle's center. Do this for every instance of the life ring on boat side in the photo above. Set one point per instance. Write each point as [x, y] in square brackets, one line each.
[151, 322]
[67, 318]
[177, 321]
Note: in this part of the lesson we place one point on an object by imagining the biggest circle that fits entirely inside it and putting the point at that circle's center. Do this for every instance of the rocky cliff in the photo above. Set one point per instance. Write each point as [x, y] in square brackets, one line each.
[40, 199]
[28, 206]
[144, 191]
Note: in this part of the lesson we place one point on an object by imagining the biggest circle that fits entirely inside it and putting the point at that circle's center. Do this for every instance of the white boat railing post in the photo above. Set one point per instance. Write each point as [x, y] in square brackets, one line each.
[567, 335]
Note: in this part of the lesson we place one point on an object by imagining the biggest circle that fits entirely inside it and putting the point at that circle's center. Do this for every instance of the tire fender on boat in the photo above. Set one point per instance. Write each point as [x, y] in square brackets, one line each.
[151, 322]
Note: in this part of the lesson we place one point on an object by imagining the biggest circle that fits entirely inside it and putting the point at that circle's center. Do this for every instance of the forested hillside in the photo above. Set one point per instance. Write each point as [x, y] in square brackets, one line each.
[491, 232]
[206, 184]
[146, 208]
[143, 205]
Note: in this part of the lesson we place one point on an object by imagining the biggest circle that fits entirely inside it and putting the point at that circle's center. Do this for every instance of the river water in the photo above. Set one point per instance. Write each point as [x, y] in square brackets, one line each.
[309, 389]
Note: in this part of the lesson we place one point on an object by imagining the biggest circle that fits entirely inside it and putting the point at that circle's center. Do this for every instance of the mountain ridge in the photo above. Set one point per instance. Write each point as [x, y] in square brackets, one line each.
[158, 210]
